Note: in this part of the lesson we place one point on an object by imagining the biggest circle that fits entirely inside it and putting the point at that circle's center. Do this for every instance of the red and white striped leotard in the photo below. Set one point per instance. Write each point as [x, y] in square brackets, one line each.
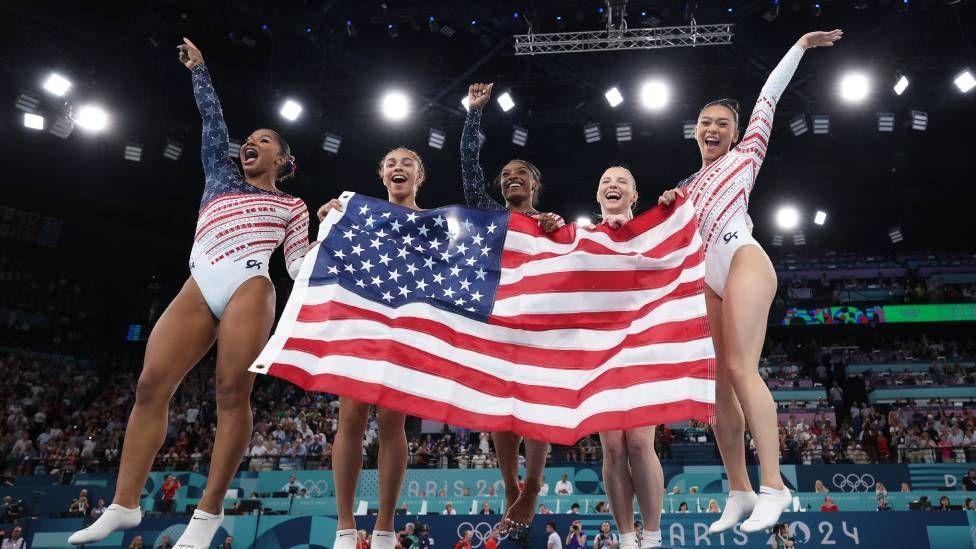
[721, 191]
[239, 225]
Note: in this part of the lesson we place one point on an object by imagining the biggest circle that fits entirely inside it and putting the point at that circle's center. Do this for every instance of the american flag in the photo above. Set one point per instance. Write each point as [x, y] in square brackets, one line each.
[479, 319]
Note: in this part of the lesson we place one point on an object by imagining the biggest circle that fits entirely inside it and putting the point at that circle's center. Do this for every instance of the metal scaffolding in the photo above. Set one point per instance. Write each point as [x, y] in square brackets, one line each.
[624, 39]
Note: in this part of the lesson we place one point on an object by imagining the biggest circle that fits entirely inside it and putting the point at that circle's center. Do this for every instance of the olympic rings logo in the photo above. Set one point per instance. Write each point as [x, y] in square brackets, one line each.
[316, 488]
[479, 532]
[853, 482]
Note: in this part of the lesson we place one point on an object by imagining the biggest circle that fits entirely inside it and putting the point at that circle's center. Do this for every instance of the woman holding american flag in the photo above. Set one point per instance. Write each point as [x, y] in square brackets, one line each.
[740, 285]
[402, 173]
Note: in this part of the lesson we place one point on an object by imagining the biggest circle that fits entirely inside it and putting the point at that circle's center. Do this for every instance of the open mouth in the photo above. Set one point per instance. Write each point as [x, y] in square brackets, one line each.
[250, 155]
[711, 142]
[399, 178]
[612, 195]
[513, 184]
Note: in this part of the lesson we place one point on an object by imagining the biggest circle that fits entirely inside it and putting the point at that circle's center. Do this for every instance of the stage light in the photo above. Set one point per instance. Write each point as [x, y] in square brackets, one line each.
[290, 110]
[886, 121]
[821, 124]
[57, 84]
[583, 221]
[447, 31]
[689, 128]
[798, 124]
[436, 138]
[965, 81]
[466, 103]
[432, 24]
[350, 28]
[895, 235]
[62, 127]
[777, 240]
[520, 136]
[787, 218]
[772, 12]
[854, 87]
[506, 102]
[92, 118]
[654, 95]
[920, 120]
[614, 97]
[33, 121]
[27, 102]
[901, 85]
[815, 10]
[331, 143]
[820, 217]
[172, 150]
[395, 106]
[133, 152]
[799, 239]
[591, 132]
[392, 30]
[624, 132]
[234, 147]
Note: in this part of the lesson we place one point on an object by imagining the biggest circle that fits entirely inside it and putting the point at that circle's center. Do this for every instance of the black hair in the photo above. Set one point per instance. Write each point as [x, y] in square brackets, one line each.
[416, 156]
[288, 169]
[536, 173]
[730, 104]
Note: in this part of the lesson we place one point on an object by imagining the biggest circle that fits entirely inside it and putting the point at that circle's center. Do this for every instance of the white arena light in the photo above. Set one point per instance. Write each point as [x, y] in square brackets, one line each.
[57, 84]
[820, 218]
[290, 110]
[787, 218]
[901, 85]
[614, 97]
[506, 102]
[395, 106]
[854, 87]
[655, 95]
[92, 118]
[583, 221]
[965, 81]
[33, 121]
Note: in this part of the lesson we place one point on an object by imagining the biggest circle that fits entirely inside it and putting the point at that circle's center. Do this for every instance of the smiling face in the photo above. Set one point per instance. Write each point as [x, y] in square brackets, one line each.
[519, 183]
[402, 174]
[716, 131]
[262, 153]
[617, 191]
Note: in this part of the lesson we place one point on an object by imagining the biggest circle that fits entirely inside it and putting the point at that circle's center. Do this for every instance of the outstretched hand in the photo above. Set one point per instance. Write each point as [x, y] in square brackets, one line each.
[819, 39]
[669, 196]
[189, 54]
[479, 94]
[323, 210]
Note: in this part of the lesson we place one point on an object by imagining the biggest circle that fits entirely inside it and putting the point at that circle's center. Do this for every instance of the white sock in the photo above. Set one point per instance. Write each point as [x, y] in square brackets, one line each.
[113, 519]
[769, 507]
[737, 507]
[383, 540]
[200, 531]
[651, 538]
[346, 539]
[628, 541]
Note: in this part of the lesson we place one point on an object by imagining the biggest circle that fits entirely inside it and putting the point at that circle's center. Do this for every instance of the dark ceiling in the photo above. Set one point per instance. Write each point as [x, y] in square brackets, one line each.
[123, 55]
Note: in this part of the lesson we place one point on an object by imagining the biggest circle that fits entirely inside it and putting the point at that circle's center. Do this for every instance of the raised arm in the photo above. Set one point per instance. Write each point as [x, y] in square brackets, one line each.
[755, 140]
[214, 148]
[472, 176]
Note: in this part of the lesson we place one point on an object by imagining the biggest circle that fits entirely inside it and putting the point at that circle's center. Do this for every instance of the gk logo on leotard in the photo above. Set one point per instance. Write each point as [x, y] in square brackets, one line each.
[727, 237]
[252, 264]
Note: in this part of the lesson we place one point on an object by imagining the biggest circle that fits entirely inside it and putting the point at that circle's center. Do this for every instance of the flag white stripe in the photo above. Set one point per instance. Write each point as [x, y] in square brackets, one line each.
[648, 240]
[676, 310]
[658, 353]
[589, 302]
[439, 389]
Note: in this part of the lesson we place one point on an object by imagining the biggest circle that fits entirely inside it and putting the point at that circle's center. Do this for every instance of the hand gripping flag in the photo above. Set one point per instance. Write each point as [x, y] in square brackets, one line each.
[478, 318]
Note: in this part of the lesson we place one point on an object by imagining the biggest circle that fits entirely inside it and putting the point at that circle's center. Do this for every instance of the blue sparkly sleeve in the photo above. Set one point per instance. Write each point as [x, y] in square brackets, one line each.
[214, 150]
[472, 176]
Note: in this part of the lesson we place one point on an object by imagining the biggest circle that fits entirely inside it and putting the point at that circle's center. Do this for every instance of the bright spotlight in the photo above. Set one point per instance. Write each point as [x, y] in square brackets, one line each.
[92, 118]
[506, 102]
[901, 85]
[583, 221]
[395, 106]
[290, 110]
[57, 84]
[854, 87]
[466, 103]
[614, 97]
[965, 81]
[820, 218]
[787, 218]
[33, 121]
[654, 95]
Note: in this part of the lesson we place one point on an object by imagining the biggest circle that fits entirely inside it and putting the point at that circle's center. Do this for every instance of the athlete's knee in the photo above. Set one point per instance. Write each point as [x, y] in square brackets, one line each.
[614, 450]
[390, 425]
[233, 393]
[639, 448]
[153, 388]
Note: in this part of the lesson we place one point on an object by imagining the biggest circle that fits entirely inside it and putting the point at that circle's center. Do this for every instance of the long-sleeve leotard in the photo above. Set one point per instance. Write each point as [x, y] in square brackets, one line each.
[238, 221]
[721, 191]
[472, 176]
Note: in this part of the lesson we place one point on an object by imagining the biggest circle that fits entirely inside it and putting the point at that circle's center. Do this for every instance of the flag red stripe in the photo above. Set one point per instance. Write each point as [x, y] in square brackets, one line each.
[576, 359]
[415, 359]
[596, 281]
[447, 413]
